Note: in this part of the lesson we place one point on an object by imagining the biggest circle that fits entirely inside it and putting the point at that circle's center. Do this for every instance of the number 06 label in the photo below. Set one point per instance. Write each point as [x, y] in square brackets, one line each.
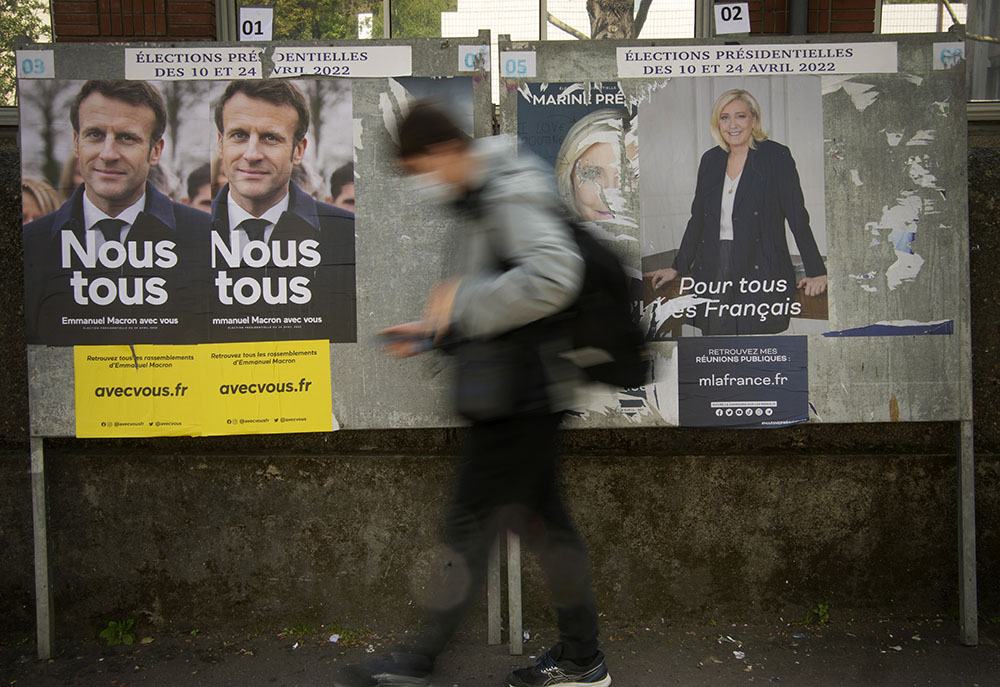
[35, 64]
[517, 64]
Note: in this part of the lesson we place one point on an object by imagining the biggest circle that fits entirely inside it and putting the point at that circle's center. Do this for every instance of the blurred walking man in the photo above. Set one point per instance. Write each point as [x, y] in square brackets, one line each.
[523, 265]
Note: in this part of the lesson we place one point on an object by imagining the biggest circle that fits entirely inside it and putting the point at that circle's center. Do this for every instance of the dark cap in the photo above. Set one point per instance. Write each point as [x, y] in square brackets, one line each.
[424, 126]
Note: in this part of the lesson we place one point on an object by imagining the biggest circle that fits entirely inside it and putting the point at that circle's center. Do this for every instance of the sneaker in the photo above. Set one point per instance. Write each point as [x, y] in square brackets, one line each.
[395, 670]
[552, 670]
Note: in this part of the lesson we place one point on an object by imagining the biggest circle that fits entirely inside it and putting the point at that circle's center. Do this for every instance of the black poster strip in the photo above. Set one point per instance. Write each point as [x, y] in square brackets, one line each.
[747, 382]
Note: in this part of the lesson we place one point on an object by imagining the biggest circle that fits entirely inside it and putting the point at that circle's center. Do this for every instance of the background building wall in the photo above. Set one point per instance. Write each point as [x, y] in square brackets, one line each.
[133, 20]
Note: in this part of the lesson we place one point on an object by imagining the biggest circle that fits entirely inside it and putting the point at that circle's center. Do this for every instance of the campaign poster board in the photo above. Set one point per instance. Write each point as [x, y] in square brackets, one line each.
[181, 273]
[182, 320]
[845, 230]
[873, 125]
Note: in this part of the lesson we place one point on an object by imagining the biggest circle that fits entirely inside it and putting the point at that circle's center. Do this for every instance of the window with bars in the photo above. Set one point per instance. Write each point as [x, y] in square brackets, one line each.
[822, 16]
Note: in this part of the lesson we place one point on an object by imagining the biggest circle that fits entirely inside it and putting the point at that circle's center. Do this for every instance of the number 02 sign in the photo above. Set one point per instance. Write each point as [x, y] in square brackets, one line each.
[256, 23]
[732, 18]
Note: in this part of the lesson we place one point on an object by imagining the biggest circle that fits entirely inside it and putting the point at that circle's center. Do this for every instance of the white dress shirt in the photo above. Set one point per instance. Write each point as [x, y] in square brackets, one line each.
[238, 214]
[726, 214]
[92, 215]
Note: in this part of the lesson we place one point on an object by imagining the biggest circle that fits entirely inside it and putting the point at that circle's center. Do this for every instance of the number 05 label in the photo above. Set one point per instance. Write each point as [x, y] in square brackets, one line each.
[35, 64]
[517, 64]
[732, 18]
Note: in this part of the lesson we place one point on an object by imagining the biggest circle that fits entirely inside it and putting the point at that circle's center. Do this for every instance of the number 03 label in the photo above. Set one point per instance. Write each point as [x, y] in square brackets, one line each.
[35, 64]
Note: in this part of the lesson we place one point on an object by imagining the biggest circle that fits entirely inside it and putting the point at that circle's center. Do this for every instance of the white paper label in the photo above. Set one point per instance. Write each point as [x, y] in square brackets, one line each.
[948, 55]
[818, 59]
[517, 64]
[177, 64]
[355, 61]
[256, 23]
[35, 64]
[473, 58]
[732, 18]
[173, 64]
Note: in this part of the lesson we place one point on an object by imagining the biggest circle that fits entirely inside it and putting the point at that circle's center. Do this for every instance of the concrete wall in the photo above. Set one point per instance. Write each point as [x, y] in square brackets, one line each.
[229, 533]
[728, 530]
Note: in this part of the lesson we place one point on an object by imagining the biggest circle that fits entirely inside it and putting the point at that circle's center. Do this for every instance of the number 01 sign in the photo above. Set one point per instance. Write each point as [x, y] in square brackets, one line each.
[732, 18]
[256, 23]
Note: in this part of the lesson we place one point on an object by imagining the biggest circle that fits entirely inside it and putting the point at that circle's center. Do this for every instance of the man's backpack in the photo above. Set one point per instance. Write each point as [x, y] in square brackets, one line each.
[608, 344]
[605, 340]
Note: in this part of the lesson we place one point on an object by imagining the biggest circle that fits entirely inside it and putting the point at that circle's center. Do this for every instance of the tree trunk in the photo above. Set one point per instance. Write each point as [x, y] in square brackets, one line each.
[44, 95]
[611, 18]
[173, 100]
[640, 17]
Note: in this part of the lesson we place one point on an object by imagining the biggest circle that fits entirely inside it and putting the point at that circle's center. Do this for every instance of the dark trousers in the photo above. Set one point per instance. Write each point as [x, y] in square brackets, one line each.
[508, 480]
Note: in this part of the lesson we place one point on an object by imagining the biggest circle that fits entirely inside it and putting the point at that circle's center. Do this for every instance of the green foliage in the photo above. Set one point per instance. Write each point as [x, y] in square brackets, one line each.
[819, 615]
[118, 632]
[316, 19]
[19, 18]
[345, 636]
[338, 19]
[417, 18]
[300, 630]
[349, 637]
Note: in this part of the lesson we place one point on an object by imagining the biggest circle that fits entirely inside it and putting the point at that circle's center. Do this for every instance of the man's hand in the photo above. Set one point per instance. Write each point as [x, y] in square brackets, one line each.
[411, 338]
[407, 339]
[814, 286]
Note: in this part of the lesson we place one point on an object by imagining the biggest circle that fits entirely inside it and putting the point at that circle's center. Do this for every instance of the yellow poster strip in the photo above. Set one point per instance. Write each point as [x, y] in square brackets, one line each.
[151, 391]
[207, 389]
[267, 387]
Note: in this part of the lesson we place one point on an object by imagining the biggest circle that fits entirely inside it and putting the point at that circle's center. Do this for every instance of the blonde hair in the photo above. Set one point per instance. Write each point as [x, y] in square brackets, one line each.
[604, 125]
[747, 99]
[47, 197]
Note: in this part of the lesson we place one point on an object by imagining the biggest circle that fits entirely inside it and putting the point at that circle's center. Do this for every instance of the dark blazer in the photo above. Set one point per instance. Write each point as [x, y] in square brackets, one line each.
[768, 194]
[50, 296]
[329, 307]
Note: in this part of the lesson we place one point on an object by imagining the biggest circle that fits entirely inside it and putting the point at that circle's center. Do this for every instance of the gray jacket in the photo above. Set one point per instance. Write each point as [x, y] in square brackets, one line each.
[520, 224]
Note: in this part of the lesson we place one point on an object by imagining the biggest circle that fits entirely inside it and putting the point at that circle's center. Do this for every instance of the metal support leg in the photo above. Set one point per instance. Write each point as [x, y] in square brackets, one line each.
[493, 594]
[968, 613]
[43, 588]
[514, 593]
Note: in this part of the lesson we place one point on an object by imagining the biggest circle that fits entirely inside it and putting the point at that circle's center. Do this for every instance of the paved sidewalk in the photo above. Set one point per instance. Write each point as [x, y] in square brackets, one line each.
[890, 653]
